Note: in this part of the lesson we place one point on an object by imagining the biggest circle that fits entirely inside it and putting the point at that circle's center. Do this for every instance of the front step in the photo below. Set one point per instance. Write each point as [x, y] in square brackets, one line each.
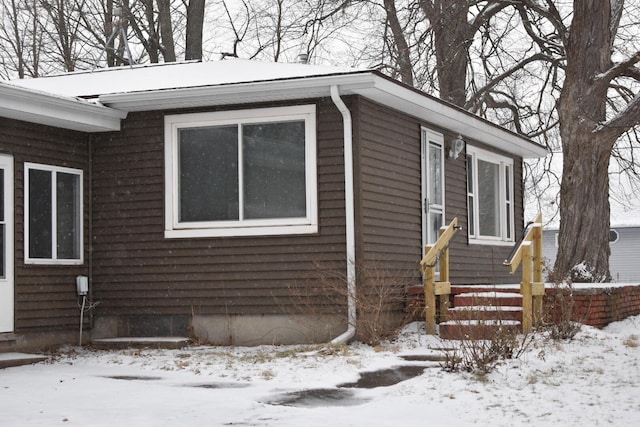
[168, 343]
[477, 329]
[483, 313]
[8, 360]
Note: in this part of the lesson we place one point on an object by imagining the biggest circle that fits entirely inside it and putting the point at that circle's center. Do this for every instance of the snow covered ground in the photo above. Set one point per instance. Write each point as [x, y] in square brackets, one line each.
[590, 381]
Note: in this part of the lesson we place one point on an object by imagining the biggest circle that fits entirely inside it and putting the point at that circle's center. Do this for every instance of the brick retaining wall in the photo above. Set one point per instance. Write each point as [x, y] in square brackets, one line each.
[600, 306]
[594, 306]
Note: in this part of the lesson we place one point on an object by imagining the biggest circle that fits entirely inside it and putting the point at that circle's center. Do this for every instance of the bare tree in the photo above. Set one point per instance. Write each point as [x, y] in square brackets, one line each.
[195, 25]
[167, 45]
[588, 135]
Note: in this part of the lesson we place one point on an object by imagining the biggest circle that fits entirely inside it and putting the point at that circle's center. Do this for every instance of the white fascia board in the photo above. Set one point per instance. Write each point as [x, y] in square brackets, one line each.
[264, 91]
[366, 84]
[452, 118]
[62, 112]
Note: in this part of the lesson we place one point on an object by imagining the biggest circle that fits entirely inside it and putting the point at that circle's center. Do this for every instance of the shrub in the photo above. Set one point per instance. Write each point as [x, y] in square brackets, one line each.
[380, 299]
[559, 312]
[477, 353]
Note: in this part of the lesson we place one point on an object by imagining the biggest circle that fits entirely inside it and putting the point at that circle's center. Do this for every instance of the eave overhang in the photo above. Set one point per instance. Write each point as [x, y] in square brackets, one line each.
[58, 111]
[368, 84]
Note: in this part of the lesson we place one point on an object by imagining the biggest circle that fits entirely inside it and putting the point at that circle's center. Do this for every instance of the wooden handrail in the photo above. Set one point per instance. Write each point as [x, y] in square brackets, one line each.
[442, 288]
[434, 251]
[529, 254]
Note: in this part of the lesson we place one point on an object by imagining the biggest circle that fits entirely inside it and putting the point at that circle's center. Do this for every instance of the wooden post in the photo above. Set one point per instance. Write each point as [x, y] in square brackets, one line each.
[430, 300]
[538, 293]
[444, 278]
[525, 288]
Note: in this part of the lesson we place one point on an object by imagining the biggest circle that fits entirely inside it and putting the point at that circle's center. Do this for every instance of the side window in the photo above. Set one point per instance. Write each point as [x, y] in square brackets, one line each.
[489, 196]
[53, 215]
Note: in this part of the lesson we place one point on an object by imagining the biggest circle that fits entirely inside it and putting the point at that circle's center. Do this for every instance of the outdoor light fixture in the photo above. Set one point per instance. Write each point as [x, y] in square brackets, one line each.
[456, 147]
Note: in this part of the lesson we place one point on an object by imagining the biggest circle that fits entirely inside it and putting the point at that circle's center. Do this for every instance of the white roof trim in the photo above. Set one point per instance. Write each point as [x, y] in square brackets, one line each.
[367, 84]
[52, 110]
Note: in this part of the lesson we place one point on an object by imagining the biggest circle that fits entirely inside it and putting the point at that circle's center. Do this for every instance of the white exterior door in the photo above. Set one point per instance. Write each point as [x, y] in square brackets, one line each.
[6, 245]
[432, 185]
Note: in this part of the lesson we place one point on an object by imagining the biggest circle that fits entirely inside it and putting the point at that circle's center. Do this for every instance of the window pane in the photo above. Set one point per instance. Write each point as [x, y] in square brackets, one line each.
[1, 194]
[471, 220]
[470, 174]
[508, 207]
[208, 174]
[2, 228]
[3, 252]
[274, 172]
[40, 210]
[435, 174]
[68, 216]
[489, 198]
[435, 222]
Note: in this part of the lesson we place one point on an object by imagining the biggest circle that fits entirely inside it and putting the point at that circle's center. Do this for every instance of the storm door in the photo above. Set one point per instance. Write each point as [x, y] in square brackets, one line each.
[6, 245]
[432, 185]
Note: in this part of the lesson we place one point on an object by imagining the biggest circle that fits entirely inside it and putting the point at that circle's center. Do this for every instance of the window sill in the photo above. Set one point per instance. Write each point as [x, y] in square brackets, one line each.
[53, 262]
[240, 232]
[489, 242]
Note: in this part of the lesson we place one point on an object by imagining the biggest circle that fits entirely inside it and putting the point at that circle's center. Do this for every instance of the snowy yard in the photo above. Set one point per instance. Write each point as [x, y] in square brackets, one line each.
[592, 380]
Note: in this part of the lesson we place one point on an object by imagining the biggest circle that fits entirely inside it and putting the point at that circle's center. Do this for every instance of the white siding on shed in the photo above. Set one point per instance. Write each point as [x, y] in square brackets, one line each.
[624, 262]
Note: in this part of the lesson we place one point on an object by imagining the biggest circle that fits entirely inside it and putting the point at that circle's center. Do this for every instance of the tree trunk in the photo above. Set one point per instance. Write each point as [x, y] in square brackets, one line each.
[195, 24]
[405, 68]
[167, 46]
[584, 192]
[453, 35]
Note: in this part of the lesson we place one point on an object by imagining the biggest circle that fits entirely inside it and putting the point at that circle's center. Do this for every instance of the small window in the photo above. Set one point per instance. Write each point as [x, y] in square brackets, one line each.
[489, 196]
[53, 215]
[241, 173]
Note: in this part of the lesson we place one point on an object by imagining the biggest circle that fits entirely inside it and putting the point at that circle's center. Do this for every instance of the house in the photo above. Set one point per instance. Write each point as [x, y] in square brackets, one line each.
[202, 197]
[624, 241]
[624, 221]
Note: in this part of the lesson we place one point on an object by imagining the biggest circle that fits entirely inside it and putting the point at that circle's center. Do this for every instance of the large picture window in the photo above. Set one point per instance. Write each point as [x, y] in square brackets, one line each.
[53, 214]
[236, 173]
[489, 196]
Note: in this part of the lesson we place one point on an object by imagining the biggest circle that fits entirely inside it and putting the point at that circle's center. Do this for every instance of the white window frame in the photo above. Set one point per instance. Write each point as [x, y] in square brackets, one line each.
[243, 227]
[54, 223]
[430, 138]
[506, 201]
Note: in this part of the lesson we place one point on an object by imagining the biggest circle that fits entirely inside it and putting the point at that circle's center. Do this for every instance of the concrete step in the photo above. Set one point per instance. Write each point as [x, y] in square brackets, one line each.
[168, 343]
[477, 329]
[8, 360]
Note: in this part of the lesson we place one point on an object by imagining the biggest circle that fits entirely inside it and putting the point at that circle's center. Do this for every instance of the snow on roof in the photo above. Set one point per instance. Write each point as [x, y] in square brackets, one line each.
[238, 81]
[175, 75]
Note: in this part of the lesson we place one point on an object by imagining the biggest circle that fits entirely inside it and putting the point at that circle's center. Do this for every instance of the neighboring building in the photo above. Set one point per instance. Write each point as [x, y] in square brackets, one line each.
[202, 198]
[624, 241]
[624, 221]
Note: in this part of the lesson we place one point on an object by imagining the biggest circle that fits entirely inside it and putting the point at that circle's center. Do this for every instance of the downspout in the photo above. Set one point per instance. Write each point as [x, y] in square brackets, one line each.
[349, 217]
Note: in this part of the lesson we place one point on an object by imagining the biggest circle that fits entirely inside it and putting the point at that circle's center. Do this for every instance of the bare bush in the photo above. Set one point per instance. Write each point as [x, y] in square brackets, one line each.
[380, 298]
[559, 312]
[481, 347]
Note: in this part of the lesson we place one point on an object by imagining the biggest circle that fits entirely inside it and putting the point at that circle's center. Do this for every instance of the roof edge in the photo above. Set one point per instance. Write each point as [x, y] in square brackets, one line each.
[52, 110]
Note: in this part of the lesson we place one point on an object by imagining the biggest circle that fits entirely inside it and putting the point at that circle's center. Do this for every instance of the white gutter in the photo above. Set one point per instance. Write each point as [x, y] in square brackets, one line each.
[349, 218]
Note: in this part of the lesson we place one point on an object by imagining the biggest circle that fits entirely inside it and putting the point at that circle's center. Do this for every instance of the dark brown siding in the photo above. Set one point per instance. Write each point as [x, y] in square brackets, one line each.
[389, 214]
[388, 199]
[136, 271]
[45, 295]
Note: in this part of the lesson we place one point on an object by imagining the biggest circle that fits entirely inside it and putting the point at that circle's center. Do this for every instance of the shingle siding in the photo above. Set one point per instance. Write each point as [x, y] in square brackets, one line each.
[45, 295]
[137, 271]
